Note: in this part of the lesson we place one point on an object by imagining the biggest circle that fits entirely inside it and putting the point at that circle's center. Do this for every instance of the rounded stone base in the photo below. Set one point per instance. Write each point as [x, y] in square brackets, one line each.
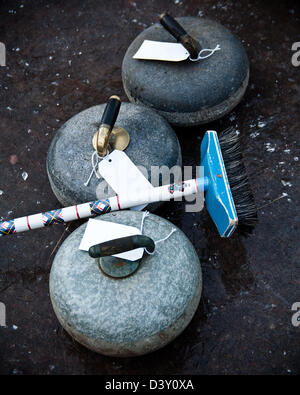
[152, 143]
[134, 315]
[189, 93]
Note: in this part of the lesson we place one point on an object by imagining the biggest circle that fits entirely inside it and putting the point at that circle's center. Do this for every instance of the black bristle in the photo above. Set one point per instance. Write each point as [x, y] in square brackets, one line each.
[238, 180]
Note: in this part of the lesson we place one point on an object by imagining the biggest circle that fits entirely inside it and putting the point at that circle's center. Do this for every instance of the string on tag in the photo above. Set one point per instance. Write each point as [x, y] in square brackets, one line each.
[145, 215]
[95, 161]
[210, 53]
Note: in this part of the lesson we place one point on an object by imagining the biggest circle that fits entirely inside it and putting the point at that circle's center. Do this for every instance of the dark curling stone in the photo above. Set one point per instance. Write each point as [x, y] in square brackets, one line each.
[134, 315]
[189, 93]
[152, 143]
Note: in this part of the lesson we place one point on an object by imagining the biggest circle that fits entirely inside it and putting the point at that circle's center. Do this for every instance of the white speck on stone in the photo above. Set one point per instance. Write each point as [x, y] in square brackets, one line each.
[296, 158]
[287, 151]
[286, 183]
[134, 21]
[24, 175]
[1, 192]
[261, 124]
[9, 108]
[26, 64]
[269, 148]
[14, 327]
[200, 13]
[254, 134]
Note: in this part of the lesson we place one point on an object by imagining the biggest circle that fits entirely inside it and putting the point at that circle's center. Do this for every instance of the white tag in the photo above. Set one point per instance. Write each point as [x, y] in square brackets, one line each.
[98, 232]
[123, 176]
[156, 50]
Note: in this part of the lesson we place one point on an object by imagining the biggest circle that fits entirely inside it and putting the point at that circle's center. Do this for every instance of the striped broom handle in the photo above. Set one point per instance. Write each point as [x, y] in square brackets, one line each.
[98, 207]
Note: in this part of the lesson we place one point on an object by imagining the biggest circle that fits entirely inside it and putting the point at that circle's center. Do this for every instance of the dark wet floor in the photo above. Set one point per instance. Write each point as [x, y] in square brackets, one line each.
[63, 57]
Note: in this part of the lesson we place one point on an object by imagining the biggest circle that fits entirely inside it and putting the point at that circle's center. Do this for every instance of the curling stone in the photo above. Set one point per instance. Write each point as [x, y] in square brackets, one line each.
[145, 136]
[188, 93]
[120, 310]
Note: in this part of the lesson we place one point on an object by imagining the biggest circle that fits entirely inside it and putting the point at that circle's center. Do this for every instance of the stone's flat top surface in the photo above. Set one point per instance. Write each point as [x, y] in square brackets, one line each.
[187, 86]
[243, 324]
[136, 307]
[152, 143]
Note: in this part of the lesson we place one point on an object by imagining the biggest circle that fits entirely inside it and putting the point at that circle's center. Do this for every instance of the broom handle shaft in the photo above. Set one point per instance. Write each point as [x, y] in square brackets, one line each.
[98, 207]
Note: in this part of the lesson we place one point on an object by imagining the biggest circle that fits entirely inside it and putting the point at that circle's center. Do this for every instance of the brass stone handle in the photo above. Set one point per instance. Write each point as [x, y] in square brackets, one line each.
[107, 123]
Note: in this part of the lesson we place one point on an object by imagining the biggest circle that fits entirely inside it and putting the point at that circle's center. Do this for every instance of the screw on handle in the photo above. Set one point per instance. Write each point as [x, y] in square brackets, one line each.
[107, 123]
[120, 245]
[178, 32]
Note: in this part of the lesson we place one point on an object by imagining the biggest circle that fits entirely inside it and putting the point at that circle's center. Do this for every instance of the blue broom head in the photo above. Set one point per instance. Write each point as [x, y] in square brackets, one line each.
[228, 196]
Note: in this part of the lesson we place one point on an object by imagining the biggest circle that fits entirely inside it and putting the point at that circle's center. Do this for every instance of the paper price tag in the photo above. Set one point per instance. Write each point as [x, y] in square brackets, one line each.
[98, 231]
[123, 176]
[157, 50]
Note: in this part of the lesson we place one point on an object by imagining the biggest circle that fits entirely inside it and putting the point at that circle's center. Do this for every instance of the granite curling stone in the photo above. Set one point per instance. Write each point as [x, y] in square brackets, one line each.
[134, 315]
[189, 93]
[152, 143]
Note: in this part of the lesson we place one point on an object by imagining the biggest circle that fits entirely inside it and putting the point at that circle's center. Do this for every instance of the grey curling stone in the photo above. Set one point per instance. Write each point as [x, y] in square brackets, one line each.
[134, 315]
[189, 93]
[153, 142]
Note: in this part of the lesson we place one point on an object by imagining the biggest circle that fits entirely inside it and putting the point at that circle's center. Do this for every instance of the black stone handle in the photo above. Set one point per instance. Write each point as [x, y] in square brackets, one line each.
[120, 245]
[178, 32]
[111, 112]
[107, 123]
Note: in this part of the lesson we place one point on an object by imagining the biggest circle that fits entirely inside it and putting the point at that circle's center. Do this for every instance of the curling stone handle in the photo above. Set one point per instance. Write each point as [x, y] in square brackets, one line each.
[178, 32]
[107, 123]
[120, 245]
